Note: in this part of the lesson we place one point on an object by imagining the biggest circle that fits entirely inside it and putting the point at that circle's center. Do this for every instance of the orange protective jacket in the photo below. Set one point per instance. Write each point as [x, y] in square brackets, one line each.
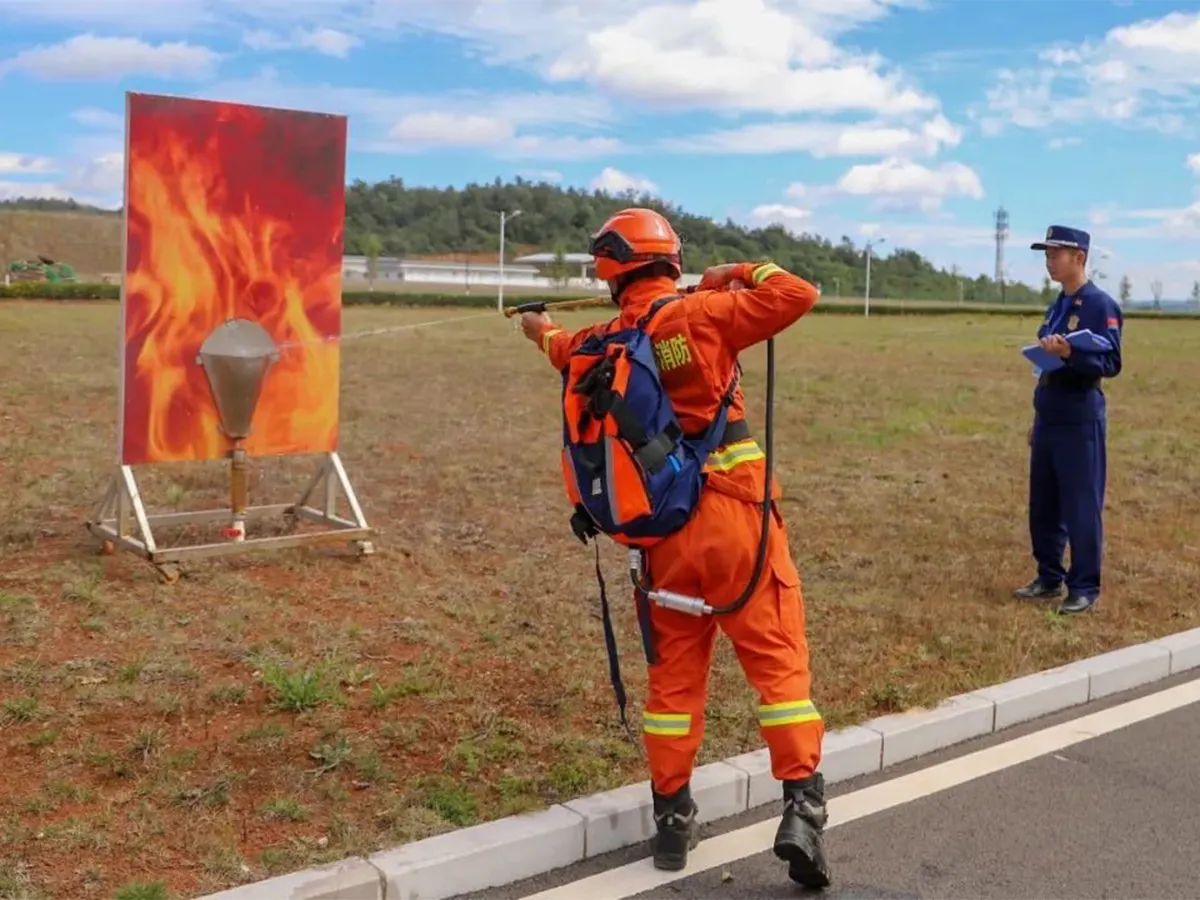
[697, 340]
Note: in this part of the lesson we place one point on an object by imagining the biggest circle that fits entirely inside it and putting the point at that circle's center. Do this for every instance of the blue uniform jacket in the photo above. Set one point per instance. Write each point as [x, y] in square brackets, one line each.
[1073, 393]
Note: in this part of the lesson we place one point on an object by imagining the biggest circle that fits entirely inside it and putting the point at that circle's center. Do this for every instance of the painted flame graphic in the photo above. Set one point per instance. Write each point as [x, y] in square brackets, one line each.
[233, 211]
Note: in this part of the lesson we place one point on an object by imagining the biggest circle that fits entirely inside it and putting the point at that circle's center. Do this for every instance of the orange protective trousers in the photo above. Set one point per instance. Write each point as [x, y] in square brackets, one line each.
[713, 557]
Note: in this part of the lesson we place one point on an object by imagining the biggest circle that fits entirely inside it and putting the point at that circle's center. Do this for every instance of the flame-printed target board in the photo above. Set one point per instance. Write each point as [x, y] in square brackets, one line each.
[231, 212]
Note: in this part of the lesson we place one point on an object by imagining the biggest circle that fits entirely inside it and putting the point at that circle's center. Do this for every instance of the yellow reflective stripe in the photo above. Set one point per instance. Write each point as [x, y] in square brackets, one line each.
[765, 271]
[546, 338]
[673, 724]
[735, 454]
[790, 713]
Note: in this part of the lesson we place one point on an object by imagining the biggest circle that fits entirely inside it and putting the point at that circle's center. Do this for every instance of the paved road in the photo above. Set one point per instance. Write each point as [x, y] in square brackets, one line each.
[1111, 815]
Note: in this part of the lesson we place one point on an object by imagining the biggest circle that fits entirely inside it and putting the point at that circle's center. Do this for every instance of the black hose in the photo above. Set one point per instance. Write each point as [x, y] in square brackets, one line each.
[765, 537]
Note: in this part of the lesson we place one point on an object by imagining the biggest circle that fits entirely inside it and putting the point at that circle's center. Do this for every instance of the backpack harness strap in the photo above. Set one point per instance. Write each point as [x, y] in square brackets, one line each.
[652, 453]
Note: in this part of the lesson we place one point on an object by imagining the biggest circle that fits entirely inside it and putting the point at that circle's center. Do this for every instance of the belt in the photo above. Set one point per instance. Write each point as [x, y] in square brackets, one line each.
[1064, 378]
[734, 432]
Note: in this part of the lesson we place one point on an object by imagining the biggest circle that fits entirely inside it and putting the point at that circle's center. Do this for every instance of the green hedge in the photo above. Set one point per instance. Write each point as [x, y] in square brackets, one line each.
[45, 290]
[48, 291]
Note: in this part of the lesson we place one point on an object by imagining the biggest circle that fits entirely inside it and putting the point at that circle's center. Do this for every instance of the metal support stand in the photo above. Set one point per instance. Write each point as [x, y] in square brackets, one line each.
[121, 521]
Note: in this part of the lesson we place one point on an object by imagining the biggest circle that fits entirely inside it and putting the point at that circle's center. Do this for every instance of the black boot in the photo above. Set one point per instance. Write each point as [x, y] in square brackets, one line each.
[798, 840]
[1039, 590]
[675, 816]
[1077, 603]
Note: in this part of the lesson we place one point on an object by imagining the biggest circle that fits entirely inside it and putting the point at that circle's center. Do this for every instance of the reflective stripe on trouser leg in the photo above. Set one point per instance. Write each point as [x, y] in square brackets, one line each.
[775, 715]
[671, 746]
[667, 724]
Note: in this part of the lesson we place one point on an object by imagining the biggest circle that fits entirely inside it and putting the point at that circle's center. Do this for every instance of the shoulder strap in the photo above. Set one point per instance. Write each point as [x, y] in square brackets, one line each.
[654, 310]
[716, 430]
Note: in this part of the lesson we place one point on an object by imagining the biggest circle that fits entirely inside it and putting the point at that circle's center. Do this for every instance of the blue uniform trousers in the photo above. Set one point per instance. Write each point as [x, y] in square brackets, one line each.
[1067, 473]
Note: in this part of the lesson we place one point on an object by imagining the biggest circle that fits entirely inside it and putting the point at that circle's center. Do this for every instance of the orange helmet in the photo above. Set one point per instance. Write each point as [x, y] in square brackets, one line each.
[633, 238]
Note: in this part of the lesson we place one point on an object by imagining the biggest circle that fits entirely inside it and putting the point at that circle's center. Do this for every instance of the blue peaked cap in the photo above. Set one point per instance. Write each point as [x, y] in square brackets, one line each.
[1062, 236]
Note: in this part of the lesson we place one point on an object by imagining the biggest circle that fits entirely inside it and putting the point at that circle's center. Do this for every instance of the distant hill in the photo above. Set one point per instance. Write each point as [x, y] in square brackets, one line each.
[84, 236]
[394, 219]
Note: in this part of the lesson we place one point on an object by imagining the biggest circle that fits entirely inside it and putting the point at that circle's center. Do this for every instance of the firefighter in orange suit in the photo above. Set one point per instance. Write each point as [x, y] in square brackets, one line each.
[697, 341]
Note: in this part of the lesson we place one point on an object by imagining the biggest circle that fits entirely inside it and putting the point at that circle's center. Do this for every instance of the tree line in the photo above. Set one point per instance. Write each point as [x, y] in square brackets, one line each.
[390, 218]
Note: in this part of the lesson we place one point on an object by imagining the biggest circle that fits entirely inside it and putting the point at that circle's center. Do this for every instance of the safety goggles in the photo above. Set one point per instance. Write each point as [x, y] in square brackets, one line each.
[612, 245]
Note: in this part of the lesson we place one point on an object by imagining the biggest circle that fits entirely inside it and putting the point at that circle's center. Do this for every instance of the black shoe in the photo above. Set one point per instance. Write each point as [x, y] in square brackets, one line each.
[798, 841]
[1077, 603]
[675, 816]
[1038, 590]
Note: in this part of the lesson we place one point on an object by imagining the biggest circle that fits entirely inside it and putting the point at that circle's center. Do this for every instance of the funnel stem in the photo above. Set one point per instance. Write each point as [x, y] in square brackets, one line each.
[237, 492]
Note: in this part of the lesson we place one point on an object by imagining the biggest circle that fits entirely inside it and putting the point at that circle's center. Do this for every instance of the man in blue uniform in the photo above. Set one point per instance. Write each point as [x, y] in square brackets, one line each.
[1068, 459]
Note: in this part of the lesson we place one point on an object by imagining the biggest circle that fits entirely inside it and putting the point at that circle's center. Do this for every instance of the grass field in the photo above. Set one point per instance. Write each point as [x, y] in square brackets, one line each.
[270, 712]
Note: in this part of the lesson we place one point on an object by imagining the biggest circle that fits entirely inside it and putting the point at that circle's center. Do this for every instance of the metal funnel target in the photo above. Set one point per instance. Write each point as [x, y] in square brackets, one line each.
[236, 356]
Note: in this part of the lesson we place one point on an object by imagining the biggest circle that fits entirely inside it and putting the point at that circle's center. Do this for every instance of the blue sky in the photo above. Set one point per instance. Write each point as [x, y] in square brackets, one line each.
[906, 120]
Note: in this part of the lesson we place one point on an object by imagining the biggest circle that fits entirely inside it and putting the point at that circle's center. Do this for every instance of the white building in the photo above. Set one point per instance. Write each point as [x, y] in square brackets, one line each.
[522, 272]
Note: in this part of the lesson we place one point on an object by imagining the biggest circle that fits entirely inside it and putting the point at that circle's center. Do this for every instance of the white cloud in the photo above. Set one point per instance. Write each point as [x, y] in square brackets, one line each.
[742, 55]
[825, 139]
[896, 183]
[790, 217]
[1193, 163]
[326, 41]
[909, 182]
[33, 190]
[614, 181]
[1175, 32]
[88, 57]
[24, 164]
[423, 131]
[1144, 75]
[429, 129]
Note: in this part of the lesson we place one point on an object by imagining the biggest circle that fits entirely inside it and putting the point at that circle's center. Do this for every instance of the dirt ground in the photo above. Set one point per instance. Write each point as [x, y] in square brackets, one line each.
[270, 712]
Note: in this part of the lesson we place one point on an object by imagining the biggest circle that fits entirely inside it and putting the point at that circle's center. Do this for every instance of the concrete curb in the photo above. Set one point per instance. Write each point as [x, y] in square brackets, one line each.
[518, 847]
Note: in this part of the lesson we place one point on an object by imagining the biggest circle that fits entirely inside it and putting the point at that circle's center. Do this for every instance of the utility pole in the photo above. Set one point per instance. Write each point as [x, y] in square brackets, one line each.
[504, 217]
[867, 292]
[1001, 220]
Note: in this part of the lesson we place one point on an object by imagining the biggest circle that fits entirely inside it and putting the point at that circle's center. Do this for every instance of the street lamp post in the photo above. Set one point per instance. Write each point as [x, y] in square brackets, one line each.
[867, 292]
[504, 217]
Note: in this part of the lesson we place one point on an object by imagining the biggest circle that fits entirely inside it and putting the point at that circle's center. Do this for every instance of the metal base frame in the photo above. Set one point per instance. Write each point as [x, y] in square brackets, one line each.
[122, 522]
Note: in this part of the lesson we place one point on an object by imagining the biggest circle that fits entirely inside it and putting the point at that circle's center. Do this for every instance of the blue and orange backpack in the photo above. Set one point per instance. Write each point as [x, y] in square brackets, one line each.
[629, 470]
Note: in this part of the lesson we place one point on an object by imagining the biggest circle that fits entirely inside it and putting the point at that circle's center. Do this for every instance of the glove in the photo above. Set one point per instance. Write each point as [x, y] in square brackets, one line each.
[721, 277]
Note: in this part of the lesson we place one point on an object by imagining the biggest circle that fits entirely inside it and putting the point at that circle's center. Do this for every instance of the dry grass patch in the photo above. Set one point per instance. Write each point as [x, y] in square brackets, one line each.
[89, 242]
[270, 712]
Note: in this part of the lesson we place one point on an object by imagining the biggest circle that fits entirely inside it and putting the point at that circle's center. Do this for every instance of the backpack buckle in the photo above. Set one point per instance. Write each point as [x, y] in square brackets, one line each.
[583, 526]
